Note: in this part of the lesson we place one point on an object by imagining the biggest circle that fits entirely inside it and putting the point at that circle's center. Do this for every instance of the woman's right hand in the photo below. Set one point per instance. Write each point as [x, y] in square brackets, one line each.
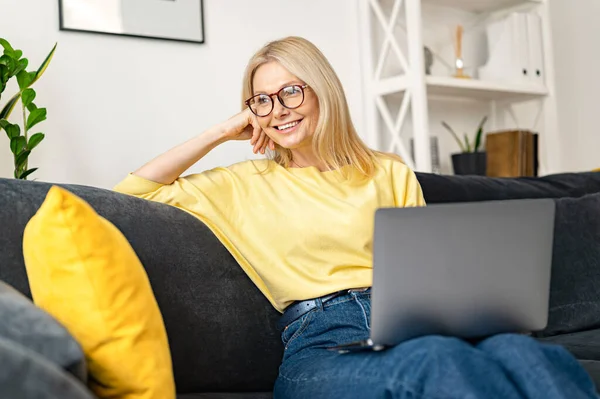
[244, 126]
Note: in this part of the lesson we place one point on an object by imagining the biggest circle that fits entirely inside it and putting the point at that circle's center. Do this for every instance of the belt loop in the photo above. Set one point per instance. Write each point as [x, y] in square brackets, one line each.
[319, 302]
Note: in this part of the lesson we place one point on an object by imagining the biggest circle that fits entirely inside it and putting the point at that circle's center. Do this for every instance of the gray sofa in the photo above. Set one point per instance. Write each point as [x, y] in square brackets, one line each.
[222, 331]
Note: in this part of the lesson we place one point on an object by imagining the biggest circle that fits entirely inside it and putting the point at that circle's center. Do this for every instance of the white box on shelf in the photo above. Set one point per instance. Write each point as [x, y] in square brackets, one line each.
[522, 43]
[509, 51]
[536, 48]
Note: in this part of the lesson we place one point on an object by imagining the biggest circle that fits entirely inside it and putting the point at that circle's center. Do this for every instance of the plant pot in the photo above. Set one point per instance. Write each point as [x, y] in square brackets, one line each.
[469, 163]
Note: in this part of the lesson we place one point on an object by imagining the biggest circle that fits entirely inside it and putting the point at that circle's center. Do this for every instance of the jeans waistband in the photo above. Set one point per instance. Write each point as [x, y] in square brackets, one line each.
[300, 308]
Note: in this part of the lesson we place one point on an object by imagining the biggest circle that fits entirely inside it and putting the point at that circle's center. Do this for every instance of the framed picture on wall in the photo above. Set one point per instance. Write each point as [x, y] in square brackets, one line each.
[179, 20]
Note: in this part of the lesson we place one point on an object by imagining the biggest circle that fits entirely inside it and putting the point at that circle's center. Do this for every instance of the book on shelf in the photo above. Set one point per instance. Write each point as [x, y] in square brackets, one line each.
[512, 153]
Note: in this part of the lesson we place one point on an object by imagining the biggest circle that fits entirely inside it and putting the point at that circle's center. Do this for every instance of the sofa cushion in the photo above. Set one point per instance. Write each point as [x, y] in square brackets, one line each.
[442, 188]
[583, 345]
[25, 374]
[593, 369]
[83, 271]
[575, 281]
[222, 330]
[25, 324]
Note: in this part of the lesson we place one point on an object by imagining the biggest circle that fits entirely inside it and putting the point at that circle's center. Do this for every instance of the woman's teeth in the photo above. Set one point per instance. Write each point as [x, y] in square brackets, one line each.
[287, 125]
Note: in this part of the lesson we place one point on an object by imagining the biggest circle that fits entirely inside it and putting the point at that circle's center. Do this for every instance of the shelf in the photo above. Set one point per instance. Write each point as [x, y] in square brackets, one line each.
[479, 6]
[465, 88]
[473, 88]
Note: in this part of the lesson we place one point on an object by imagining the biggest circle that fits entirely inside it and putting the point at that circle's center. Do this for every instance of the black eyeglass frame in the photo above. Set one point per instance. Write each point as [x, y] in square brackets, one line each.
[302, 87]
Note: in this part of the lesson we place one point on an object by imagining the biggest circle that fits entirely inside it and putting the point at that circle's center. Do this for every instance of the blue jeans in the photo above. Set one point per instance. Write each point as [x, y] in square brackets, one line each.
[504, 366]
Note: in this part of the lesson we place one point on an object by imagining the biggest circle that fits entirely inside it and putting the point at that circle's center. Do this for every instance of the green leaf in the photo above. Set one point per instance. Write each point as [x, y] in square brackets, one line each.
[17, 144]
[3, 77]
[6, 45]
[10, 105]
[10, 64]
[12, 130]
[22, 158]
[6, 60]
[45, 64]
[467, 144]
[8, 50]
[4, 124]
[479, 134]
[26, 173]
[4, 70]
[28, 96]
[32, 107]
[21, 65]
[25, 79]
[35, 117]
[35, 140]
[17, 54]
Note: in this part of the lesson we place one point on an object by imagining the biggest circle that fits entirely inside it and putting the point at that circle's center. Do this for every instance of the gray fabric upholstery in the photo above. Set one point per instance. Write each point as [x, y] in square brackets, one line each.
[441, 188]
[593, 369]
[584, 345]
[222, 330]
[25, 374]
[24, 323]
[575, 284]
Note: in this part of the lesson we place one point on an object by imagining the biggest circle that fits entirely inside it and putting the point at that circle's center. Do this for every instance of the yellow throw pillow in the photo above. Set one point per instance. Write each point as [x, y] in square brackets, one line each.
[83, 271]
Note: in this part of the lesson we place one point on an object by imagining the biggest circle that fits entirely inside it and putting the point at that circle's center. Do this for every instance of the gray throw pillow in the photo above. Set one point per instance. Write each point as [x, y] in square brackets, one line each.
[36, 330]
[575, 284]
[27, 375]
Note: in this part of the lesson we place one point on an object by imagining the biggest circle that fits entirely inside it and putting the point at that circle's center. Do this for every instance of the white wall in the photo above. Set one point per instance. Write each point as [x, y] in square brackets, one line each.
[116, 102]
[576, 34]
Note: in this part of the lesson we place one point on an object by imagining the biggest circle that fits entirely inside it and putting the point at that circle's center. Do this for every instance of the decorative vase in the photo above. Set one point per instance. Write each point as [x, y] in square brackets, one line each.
[469, 163]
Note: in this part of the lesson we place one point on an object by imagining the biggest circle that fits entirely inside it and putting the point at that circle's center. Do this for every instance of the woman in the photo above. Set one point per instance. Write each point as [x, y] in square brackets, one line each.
[300, 225]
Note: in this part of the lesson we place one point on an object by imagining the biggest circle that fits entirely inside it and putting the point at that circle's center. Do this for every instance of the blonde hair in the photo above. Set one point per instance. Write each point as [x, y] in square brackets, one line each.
[335, 142]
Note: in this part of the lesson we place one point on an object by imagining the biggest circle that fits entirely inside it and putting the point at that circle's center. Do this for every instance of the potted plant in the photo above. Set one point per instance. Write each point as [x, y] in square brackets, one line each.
[12, 64]
[470, 161]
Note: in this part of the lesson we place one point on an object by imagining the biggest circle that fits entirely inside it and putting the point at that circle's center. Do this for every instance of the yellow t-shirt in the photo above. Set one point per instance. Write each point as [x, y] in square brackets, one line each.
[298, 233]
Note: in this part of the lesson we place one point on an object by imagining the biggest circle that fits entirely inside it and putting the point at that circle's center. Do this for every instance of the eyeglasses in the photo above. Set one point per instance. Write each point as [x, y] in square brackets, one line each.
[290, 97]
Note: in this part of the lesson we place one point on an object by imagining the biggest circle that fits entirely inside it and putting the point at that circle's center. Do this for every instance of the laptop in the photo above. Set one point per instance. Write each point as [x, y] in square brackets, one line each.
[468, 270]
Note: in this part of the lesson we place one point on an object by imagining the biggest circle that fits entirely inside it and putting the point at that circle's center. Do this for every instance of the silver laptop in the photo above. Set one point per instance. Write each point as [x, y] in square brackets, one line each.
[468, 270]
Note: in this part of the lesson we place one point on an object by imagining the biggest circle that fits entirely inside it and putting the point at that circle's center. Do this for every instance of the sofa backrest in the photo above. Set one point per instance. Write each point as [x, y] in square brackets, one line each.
[444, 188]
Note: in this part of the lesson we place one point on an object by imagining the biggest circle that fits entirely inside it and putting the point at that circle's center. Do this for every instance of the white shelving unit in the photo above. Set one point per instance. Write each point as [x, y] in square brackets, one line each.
[415, 89]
